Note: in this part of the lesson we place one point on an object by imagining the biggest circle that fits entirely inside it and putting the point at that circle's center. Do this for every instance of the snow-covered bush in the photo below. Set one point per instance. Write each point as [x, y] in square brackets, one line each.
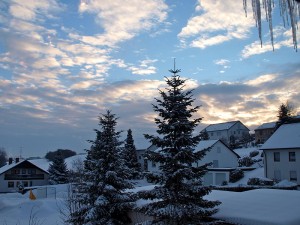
[246, 161]
[236, 175]
[260, 182]
[253, 153]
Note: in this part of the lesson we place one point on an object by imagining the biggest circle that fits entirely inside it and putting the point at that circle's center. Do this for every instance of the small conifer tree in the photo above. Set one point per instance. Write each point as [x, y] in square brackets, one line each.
[130, 156]
[58, 172]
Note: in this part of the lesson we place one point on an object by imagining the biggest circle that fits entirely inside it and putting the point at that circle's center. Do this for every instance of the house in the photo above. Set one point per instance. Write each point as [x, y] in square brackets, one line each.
[282, 154]
[223, 161]
[140, 157]
[229, 132]
[264, 132]
[21, 172]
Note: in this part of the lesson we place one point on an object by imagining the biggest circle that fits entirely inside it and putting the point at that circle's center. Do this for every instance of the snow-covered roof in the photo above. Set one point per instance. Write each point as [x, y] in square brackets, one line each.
[286, 136]
[10, 166]
[266, 126]
[221, 126]
[210, 143]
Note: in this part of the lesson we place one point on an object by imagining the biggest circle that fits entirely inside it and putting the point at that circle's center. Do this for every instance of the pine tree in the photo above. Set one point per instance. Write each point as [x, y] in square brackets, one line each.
[204, 135]
[285, 112]
[101, 199]
[130, 157]
[179, 197]
[58, 172]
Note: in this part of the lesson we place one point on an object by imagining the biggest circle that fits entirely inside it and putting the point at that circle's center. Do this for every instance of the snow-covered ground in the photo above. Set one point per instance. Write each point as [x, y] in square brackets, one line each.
[263, 206]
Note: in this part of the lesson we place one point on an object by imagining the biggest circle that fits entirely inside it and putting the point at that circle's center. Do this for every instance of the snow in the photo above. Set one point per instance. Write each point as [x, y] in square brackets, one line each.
[261, 206]
[266, 126]
[286, 136]
[220, 126]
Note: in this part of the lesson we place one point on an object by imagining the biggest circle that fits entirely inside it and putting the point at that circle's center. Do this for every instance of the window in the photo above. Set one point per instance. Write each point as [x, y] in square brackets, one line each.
[11, 184]
[140, 157]
[153, 164]
[293, 176]
[25, 183]
[16, 171]
[276, 156]
[211, 134]
[292, 156]
[215, 163]
[32, 171]
[23, 171]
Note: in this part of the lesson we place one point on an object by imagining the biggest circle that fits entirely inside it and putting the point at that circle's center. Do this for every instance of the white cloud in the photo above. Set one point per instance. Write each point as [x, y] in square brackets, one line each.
[218, 21]
[122, 20]
[145, 68]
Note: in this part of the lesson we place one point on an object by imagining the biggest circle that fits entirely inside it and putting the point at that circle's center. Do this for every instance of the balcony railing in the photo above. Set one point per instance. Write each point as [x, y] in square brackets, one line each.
[24, 177]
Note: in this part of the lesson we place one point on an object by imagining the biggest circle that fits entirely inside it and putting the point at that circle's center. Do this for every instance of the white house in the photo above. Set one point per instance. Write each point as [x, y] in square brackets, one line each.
[227, 131]
[223, 160]
[21, 172]
[282, 154]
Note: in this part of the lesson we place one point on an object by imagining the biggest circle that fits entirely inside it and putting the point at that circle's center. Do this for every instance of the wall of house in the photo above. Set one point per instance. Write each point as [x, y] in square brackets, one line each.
[219, 152]
[140, 158]
[219, 135]
[281, 170]
[262, 135]
[4, 183]
[238, 130]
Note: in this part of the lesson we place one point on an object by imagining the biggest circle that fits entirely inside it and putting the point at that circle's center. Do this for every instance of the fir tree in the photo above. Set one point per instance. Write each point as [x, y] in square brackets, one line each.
[101, 199]
[179, 197]
[130, 157]
[204, 135]
[58, 172]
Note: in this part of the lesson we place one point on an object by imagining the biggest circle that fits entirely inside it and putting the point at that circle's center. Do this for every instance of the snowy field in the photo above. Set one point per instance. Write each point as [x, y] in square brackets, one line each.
[263, 206]
[256, 207]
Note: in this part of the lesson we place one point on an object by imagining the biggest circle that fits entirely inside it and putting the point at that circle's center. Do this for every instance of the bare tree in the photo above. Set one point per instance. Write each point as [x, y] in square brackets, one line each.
[3, 157]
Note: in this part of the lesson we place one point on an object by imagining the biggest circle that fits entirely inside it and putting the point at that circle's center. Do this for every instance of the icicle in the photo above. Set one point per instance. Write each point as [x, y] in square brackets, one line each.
[289, 11]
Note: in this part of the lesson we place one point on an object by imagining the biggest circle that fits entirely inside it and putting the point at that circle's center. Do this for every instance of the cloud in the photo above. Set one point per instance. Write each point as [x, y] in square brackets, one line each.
[218, 21]
[145, 68]
[122, 20]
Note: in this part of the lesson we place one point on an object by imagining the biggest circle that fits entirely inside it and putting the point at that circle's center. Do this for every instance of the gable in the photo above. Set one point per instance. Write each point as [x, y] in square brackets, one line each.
[22, 164]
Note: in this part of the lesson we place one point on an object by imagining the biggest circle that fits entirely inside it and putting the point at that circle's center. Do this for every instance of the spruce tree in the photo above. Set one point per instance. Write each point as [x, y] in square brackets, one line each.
[58, 172]
[179, 195]
[130, 157]
[101, 198]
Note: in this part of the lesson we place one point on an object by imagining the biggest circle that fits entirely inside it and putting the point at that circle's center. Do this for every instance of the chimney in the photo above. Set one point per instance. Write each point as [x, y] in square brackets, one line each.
[10, 160]
[17, 159]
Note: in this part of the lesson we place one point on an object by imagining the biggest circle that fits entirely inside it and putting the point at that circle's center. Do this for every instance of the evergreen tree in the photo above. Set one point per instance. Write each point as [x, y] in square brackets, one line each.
[179, 197]
[285, 112]
[101, 198]
[58, 172]
[130, 157]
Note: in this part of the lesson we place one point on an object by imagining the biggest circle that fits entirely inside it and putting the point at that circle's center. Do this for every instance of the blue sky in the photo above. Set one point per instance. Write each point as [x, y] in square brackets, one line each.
[62, 63]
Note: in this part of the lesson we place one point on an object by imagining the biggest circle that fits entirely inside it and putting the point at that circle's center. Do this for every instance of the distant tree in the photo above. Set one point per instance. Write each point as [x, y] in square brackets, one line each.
[130, 157]
[204, 135]
[179, 195]
[232, 142]
[3, 157]
[76, 171]
[58, 172]
[65, 153]
[285, 114]
[101, 197]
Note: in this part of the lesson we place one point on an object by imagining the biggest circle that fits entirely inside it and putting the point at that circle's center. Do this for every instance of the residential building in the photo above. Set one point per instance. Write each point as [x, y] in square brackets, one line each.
[223, 160]
[23, 173]
[264, 132]
[282, 154]
[228, 132]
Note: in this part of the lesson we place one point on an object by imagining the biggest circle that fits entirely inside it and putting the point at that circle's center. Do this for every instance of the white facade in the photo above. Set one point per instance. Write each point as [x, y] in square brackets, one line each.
[222, 158]
[282, 154]
[25, 173]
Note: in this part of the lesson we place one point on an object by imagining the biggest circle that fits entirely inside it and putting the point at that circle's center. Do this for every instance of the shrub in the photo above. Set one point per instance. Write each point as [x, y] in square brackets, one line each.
[253, 153]
[236, 175]
[246, 161]
[260, 182]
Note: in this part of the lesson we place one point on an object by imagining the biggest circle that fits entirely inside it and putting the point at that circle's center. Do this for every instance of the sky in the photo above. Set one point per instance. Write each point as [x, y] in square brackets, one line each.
[64, 63]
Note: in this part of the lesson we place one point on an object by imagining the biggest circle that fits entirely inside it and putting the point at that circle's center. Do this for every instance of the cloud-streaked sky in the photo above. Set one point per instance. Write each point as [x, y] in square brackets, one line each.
[63, 63]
